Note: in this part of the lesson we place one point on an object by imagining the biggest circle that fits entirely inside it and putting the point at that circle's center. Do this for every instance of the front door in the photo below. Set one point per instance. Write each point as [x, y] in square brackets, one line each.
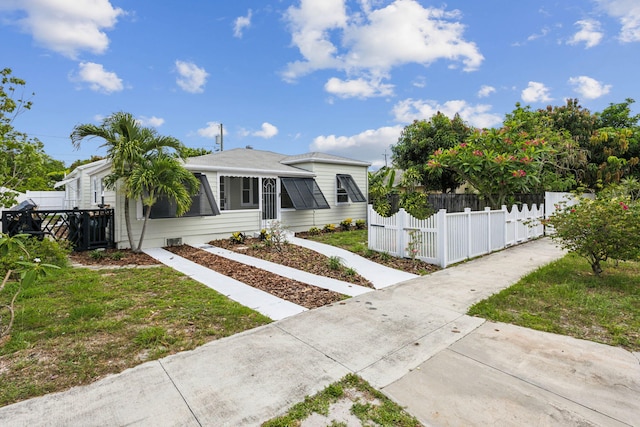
[269, 201]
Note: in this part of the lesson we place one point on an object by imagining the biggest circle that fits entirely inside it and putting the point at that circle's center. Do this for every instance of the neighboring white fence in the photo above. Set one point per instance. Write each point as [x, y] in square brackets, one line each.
[447, 238]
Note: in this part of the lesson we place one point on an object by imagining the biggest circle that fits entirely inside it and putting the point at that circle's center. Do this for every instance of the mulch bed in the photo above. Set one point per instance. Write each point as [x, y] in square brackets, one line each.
[112, 258]
[291, 290]
[292, 256]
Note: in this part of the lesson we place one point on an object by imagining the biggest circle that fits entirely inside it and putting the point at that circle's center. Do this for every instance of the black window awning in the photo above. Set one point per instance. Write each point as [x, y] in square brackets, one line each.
[304, 193]
[202, 204]
[350, 185]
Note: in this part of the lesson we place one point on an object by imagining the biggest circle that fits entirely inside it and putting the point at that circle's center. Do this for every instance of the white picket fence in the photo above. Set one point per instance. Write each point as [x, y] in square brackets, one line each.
[447, 238]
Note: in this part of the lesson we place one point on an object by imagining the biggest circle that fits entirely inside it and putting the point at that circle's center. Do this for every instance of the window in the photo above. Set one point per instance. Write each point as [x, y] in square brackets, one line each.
[202, 204]
[301, 194]
[249, 191]
[347, 189]
[97, 190]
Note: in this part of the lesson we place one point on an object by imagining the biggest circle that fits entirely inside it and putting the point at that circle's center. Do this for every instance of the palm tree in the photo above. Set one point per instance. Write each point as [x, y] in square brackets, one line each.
[128, 145]
[161, 176]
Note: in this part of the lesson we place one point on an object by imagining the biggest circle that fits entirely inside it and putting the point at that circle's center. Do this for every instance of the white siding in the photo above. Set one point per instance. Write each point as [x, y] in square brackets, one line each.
[326, 179]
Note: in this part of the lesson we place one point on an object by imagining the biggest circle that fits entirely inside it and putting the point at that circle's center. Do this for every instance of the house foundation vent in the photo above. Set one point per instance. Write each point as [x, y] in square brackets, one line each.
[175, 241]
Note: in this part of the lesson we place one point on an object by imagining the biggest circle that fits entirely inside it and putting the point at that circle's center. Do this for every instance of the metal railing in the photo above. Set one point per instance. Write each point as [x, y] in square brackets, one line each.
[85, 229]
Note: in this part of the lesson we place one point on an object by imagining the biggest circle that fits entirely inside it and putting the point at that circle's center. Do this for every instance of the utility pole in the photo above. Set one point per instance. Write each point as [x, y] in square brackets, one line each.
[220, 138]
[385, 158]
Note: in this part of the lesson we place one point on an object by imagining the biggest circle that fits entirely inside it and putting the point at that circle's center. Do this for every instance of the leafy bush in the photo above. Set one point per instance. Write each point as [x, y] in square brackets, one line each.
[600, 229]
[361, 224]
[276, 235]
[97, 254]
[335, 263]
[314, 231]
[237, 237]
[345, 224]
[329, 228]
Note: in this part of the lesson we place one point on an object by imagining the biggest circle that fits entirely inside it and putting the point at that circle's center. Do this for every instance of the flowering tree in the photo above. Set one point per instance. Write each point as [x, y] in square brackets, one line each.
[601, 229]
[500, 163]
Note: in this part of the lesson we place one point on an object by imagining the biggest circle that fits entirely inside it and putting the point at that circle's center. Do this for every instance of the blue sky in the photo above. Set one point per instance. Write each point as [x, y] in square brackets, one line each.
[336, 76]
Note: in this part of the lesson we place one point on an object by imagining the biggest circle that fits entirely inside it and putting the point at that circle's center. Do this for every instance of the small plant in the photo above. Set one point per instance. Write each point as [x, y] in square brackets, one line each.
[277, 235]
[329, 228]
[116, 256]
[264, 235]
[413, 247]
[345, 224]
[350, 272]
[314, 231]
[237, 237]
[361, 224]
[335, 263]
[28, 272]
[97, 254]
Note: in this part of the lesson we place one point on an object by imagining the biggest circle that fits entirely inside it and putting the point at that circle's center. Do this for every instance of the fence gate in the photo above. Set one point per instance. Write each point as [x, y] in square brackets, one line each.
[85, 229]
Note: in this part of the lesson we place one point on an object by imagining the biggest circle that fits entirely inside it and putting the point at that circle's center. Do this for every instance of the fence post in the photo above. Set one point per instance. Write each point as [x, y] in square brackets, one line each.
[369, 228]
[488, 211]
[402, 220]
[467, 212]
[442, 248]
[506, 225]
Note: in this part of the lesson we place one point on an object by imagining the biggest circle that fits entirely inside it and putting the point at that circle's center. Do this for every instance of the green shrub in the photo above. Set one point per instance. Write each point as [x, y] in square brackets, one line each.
[314, 231]
[97, 254]
[335, 263]
[116, 256]
[604, 228]
[329, 228]
[237, 237]
[361, 224]
[345, 224]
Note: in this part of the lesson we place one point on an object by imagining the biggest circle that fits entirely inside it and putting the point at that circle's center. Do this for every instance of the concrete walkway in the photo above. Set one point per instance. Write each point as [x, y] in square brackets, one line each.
[412, 341]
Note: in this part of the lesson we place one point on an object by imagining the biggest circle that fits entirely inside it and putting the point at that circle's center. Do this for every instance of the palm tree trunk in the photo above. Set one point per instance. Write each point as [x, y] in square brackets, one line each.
[127, 221]
[144, 228]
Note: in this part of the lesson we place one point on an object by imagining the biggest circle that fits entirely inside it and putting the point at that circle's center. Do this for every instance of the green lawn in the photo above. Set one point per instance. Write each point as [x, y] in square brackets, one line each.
[82, 324]
[367, 404]
[354, 240]
[566, 298]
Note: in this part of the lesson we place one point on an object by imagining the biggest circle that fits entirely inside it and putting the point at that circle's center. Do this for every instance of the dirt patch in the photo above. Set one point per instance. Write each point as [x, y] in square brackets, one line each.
[288, 289]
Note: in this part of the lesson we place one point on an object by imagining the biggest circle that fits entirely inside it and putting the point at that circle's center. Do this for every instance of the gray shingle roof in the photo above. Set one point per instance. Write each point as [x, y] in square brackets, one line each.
[249, 160]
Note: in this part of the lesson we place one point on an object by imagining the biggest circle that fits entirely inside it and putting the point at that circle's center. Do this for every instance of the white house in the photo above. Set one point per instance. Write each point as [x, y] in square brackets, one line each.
[240, 190]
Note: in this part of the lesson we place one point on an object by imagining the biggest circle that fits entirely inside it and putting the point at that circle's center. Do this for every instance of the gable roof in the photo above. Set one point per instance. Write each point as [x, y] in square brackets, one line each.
[265, 162]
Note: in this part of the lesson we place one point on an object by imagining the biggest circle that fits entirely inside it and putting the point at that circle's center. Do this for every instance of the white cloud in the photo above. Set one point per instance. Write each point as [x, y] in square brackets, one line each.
[370, 145]
[589, 33]
[67, 27]
[98, 78]
[210, 131]
[371, 42]
[588, 87]
[539, 35]
[628, 12]
[191, 77]
[267, 131]
[486, 90]
[357, 88]
[241, 23]
[536, 92]
[480, 115]
[152, 121]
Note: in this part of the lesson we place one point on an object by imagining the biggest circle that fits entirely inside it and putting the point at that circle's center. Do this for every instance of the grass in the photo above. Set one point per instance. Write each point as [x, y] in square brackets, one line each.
[354, 240]
[82, 324]
[370, 406]
[565, 297]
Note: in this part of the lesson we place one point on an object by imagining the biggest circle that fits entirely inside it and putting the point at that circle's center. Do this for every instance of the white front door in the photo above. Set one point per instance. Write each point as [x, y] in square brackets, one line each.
[270, 208]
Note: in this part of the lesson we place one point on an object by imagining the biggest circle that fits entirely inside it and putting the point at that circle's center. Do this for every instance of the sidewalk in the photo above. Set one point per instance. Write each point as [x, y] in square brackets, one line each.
[411, 340]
